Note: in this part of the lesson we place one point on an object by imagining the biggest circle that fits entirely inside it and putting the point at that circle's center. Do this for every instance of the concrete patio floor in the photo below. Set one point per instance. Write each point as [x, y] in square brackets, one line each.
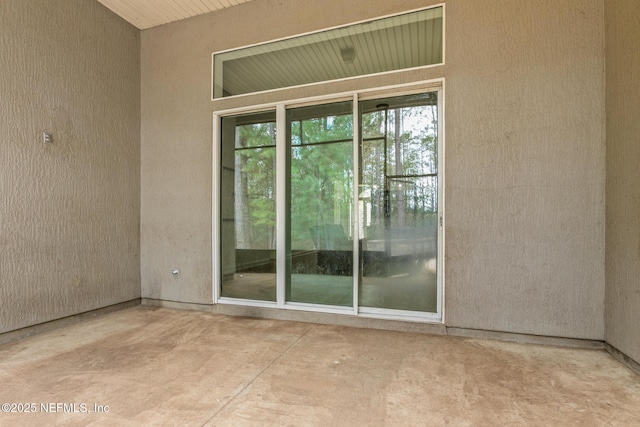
[159, 366]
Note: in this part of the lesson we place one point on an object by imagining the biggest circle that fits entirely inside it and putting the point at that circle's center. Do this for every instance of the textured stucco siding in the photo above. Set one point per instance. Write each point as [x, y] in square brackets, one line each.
[623, 177]
[69, 211]
[525, 167]
[525, 152]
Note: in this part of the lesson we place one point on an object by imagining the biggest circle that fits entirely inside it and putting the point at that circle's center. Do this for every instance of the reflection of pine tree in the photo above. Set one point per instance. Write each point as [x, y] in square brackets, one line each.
[321, 184]
[321, 176]
[409, 133]
[255, 186]
[241, 185]
[397, 145]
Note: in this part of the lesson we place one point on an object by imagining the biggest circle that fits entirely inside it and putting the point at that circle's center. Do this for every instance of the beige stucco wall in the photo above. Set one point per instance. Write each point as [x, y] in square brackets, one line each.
[623, 176]
[525, 166]
[525, 153]
[69, 211]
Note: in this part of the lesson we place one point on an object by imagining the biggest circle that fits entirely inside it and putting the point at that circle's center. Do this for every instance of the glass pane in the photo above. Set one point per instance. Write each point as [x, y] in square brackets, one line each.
[320, 254]
[398, 42]
[399, 203]
[248, 228]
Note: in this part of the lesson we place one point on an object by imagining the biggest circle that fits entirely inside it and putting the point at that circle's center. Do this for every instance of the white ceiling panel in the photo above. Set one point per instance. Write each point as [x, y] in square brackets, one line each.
[150, 13]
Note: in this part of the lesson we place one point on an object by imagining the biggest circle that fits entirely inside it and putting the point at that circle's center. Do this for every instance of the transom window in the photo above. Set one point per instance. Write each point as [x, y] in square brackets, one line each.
[394, 43]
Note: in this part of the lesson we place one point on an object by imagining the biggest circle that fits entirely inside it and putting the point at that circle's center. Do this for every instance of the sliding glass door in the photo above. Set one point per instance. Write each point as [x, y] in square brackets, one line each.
[247, 206]
[399, 203]
[332, 211]
[320, 201]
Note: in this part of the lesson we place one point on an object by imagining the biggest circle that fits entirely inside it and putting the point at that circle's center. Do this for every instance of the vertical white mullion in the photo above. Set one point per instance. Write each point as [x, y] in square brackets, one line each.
[356, 204]
[441, 207]
[281, 203]
[215, 210]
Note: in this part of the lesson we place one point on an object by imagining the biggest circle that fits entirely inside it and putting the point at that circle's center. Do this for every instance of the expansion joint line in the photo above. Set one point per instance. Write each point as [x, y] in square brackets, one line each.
[232, 398]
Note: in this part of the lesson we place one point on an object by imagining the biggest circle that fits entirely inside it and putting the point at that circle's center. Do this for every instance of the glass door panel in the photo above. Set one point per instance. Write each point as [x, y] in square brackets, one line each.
[320, 202]
[399, 203]
[248, 226]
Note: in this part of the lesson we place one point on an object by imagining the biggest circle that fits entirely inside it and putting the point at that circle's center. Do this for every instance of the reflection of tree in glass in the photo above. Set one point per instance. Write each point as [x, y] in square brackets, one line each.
[255, 186]
[321, 176]
[410, 137]
[322, 169]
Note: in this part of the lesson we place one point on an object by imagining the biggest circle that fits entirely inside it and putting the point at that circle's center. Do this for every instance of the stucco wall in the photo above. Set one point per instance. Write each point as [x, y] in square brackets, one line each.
[525, 165]
[623, 175]
[69, 211]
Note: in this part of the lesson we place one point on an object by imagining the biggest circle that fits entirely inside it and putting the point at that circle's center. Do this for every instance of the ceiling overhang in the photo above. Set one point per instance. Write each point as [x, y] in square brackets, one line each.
[145, 14]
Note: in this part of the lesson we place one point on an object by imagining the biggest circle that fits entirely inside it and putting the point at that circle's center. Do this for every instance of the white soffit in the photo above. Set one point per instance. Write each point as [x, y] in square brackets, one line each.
[150, 13]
